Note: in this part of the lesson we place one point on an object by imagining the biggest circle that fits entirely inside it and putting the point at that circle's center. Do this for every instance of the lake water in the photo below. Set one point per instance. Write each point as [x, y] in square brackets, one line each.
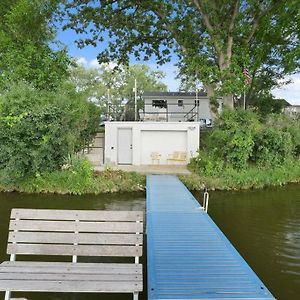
[263, 225]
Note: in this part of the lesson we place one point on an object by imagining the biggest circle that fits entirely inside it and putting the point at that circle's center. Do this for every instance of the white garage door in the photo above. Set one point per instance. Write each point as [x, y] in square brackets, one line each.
[163, 142]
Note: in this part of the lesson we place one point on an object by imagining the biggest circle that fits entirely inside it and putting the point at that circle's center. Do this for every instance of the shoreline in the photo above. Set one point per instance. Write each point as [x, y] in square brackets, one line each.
[116, 181]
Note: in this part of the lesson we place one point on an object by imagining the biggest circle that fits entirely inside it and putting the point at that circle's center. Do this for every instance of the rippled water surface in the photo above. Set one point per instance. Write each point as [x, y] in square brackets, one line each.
[263, 225]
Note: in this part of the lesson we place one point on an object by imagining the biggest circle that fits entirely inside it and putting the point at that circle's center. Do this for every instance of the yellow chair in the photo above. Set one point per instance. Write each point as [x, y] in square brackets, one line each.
[155, 157]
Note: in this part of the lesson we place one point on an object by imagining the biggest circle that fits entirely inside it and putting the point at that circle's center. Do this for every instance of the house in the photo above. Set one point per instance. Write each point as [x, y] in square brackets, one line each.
[150, 143]
[292, 110]
[175, 107]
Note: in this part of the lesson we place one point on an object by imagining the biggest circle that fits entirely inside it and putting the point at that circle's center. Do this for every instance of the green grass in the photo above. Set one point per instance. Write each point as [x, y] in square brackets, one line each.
[80, 179]
[250, 178]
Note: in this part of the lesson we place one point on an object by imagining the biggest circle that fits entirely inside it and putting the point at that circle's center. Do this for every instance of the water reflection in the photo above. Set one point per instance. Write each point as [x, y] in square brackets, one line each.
[264, 226]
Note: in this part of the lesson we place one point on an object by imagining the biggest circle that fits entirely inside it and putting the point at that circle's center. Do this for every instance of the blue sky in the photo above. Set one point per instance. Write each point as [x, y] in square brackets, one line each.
[88, 55]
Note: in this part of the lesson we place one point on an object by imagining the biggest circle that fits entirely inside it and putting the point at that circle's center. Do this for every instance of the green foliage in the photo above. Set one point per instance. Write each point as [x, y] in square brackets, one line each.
[77, 177]
[252, 177]
[111, 86]
[111, 181]
[272, 147]
[233, 138]
[241, 142]
[25, 51]
[214, 40]
[206, 164]
[289, 125]
[38, 129]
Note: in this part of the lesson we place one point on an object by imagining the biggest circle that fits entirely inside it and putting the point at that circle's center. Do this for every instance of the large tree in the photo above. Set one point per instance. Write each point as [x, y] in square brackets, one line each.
[27, 49]
[213, 39]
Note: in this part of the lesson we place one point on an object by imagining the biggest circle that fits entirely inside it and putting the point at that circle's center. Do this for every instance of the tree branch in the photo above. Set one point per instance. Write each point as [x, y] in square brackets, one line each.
[208, 25]
[230, 29]
[259, 17]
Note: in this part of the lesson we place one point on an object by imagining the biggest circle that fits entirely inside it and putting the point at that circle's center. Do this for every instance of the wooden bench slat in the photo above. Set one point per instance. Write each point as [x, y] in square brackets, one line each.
[69, 277]
[84, 215]
[70, 268]
[71, 286]
[79, 238]
[29, 225]
[79, 250]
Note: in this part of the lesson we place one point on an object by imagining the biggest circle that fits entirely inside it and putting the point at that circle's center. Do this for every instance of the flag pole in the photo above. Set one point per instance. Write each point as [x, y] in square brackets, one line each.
[244, 104]
[135, 99]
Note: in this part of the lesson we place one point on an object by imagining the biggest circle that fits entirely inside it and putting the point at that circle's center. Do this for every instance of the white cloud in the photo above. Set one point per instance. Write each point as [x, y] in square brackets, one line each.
[81, 61]
[290, 92]
[94, 63]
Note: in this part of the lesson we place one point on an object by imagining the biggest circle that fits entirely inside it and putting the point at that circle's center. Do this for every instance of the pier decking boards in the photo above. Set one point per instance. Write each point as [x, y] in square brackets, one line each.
[188, 256]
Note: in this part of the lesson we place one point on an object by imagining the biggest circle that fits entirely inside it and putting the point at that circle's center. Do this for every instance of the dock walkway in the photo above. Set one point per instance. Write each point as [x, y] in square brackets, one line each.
[188, 256]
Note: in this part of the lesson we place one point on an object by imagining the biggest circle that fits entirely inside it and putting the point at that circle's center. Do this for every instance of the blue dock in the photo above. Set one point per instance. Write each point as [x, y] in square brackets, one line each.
[188, 256]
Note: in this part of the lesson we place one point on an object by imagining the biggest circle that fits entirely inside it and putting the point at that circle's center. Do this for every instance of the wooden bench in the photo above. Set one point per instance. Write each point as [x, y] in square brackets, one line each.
[75, 233]
[177, 156]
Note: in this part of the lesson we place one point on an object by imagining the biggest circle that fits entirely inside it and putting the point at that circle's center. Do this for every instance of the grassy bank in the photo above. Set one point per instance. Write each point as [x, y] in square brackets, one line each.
[81, 179]
[250, 178]
[79, 182]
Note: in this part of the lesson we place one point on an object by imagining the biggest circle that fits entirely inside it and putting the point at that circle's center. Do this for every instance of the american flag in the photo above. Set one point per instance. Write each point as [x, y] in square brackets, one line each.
[247, 75]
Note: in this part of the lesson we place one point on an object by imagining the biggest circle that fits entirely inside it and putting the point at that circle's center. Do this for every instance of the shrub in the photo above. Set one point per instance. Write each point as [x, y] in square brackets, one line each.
[233, 137]
[272, 147]
[38, 129]
[205, 164]
[241, 140]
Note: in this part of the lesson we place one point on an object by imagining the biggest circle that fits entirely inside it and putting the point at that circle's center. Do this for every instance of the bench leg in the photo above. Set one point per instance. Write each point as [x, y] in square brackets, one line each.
[7, 295]
[135, 296]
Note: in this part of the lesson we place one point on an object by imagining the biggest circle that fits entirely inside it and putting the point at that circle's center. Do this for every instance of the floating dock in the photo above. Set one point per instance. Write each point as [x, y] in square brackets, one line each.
[188, 255]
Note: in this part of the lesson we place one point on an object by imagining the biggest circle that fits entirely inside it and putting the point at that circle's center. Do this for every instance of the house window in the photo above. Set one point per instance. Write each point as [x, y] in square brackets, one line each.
[180, 102]
[159, 103]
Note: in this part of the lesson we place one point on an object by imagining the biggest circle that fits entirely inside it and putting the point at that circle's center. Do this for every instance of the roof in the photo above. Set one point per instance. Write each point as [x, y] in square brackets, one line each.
[174, 94]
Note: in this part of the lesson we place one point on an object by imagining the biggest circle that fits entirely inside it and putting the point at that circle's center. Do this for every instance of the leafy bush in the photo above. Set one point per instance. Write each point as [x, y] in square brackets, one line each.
[241, 140]
[233, 138]
[286, 124]
[272, 147]
[204, 163]
[77, 177]
[39, 129]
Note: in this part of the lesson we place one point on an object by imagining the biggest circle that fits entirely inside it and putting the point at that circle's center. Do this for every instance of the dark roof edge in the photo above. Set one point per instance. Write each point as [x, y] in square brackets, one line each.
[175, 94]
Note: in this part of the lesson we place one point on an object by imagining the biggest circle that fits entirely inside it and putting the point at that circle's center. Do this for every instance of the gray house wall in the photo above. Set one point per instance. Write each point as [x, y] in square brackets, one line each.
[174, 112]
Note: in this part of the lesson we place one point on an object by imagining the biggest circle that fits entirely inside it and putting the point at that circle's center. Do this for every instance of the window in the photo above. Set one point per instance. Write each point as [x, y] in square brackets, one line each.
[180, 102]
[159, 103]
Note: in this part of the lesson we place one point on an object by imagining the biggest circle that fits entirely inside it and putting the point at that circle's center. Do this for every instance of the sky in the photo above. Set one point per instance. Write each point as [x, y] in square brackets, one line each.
[88, 57]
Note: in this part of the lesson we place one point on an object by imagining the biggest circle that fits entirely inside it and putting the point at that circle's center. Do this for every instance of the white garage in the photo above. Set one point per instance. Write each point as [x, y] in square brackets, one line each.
[162, 142]
[145, 143]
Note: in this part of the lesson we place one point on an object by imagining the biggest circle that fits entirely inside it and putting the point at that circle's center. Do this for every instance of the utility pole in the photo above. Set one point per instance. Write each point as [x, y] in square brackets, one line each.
[197, 103]
[108, 105]
[135, 100]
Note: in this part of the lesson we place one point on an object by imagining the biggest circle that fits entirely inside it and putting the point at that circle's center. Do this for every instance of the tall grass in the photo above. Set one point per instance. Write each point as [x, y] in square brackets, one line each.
[77, 177]
[252, 177]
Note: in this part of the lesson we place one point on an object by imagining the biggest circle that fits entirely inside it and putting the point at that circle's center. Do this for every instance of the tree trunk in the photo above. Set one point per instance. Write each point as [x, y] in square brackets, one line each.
[228, 101]
[210, 89]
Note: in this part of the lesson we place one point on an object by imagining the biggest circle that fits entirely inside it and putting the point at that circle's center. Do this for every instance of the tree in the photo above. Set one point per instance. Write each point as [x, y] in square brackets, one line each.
[27, 44]
[213, 39]
[112, 89]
